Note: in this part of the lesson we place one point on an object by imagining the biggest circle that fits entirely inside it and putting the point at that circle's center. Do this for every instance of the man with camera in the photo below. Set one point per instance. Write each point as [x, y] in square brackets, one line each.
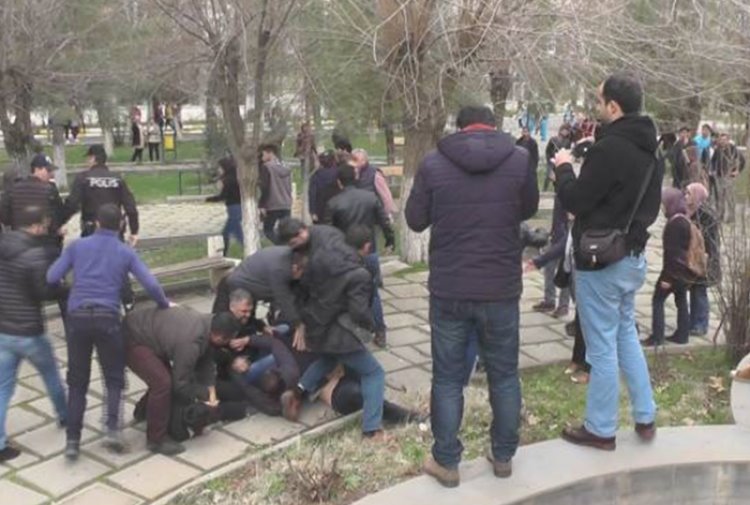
[614, 200]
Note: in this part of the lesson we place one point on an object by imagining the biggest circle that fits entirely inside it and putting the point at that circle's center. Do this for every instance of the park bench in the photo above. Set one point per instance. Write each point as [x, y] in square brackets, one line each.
[215, 264]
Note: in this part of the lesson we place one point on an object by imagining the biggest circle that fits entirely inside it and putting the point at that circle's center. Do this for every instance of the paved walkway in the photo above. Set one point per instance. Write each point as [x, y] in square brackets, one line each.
[42, 475]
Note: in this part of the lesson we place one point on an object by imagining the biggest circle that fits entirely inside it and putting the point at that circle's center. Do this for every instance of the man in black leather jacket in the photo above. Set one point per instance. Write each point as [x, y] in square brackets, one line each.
[354, 206]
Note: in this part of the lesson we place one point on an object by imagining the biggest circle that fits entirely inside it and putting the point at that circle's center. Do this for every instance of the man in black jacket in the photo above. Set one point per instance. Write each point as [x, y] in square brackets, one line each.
[338, 323]
[602, 198]
[679, 159]
[561, 141]
[23, 289]
[727, 163]
[354, 206]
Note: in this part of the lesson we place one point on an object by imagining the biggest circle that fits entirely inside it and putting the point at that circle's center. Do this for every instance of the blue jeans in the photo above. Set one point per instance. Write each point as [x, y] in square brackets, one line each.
[39, 351]
[699, 309]
[472, 355]
[372, 379]
[373, 265]
[606, 307]
[233, 226]
[497, 323]
[258, 368]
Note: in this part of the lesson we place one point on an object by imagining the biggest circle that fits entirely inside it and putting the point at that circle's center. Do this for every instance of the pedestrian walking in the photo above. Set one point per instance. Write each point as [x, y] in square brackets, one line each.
[23, 290]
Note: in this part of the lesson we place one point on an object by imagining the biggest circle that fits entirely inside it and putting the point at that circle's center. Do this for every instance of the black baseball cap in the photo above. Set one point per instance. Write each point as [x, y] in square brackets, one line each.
[96, 150]
[42, 161]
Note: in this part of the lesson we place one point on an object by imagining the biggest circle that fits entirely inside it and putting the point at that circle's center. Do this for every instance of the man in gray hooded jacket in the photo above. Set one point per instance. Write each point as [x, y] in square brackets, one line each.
[275, 191]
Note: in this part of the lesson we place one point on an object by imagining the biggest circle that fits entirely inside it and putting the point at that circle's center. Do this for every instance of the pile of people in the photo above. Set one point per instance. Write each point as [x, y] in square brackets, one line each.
[321, 283]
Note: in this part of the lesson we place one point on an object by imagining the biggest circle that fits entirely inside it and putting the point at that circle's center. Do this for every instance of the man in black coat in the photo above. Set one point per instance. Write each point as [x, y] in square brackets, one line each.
[679, 160]
[603, 197]
[23, 289]
[354, 206]
[338, 324]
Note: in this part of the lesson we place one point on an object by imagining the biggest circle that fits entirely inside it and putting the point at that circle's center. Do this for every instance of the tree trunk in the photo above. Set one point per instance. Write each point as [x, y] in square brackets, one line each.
[105, 111]
[390, 143]
[501, 84]
[58, 155]
[417, 142]
[308, 164]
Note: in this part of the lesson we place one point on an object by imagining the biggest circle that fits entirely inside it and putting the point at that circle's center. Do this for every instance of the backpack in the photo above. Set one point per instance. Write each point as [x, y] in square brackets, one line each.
[697, 259]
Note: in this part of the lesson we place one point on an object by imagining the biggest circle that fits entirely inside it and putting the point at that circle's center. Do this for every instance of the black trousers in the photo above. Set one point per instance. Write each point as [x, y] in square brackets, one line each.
[153, 151]
[579, 347]
[137, 154]
[88, 328]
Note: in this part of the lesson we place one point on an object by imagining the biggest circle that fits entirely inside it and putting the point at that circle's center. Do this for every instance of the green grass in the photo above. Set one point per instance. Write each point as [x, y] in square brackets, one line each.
[181, 252]
[415, 268]
[690, 388]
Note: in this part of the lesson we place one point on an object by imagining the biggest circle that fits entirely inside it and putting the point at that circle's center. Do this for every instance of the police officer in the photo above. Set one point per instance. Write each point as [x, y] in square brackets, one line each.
[98, 186]
[37, 190]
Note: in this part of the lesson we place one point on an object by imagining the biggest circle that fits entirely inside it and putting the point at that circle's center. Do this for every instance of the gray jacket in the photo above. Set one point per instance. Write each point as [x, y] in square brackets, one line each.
[180, 336]
[267, 275]
[275, 186]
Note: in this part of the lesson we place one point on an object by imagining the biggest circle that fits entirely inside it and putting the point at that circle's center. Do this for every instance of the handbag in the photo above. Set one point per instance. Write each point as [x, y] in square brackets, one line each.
[607, 246]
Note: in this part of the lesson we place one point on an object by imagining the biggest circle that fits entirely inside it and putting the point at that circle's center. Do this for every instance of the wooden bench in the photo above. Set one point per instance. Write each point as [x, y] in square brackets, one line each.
[217, 268]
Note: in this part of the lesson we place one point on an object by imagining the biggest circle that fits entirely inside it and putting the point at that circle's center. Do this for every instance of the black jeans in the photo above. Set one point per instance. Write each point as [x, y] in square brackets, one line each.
[347, 398]
[269, 223]
[153, 152]
[679, 290]
[579, 347]
[137, 154]
[101, 328]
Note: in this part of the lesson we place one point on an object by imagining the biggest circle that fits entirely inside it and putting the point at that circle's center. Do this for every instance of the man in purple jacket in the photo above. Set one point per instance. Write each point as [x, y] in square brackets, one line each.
[101, 264]
[474, 190]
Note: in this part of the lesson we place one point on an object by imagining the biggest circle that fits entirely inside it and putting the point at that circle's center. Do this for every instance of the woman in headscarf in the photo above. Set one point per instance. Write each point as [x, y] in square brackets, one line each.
[701, 213]
[675, 278]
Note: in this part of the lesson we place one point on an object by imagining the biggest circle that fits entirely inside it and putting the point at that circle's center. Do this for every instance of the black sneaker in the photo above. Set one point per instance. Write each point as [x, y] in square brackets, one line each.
[72, 450]
[166, 447]
[113, 441]
[9, 453]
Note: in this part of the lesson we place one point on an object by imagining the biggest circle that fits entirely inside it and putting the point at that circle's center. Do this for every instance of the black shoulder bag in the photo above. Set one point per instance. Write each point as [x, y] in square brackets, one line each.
[607, 246]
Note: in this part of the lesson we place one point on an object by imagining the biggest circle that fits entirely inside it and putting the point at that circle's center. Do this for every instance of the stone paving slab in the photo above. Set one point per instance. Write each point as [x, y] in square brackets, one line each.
[154, 476]
[100, 494]
[212, 450]
[261, 429]
[16, 494]
[58, 476]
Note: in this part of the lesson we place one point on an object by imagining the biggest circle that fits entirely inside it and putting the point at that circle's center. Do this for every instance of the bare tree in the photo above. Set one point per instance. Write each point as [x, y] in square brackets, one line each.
[238, 38]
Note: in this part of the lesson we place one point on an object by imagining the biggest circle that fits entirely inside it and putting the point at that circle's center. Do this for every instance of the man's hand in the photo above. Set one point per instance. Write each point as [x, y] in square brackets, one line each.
[62, 231]
[237, 344]
[299, 338]
[133, 240]
[240, 365]
[262, 213]
[268, 331]
[213, 401]
[665, 285]
[734, 174]
[562, 156]
[529, 266]
[172, 304]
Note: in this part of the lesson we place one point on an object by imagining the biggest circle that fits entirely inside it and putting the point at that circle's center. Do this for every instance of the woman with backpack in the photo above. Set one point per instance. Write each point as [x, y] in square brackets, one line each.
[682, 267]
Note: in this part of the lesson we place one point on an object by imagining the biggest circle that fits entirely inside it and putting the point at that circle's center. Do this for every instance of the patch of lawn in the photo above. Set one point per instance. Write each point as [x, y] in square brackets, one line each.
[413, 269]
[690, 388]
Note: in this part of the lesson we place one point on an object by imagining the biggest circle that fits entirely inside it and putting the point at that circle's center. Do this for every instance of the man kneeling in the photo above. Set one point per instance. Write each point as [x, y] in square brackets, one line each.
[171, 351]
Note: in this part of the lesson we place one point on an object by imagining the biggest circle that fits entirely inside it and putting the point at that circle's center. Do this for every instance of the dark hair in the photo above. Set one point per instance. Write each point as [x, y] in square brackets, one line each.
[225, 324]
[342, 144]
[29, 216]
[358, 235]
[327, 159]
[683, 129]
[271, 383]
[270, 148]
[346, 175]
[109, 217]
[229, 166]
[625, 90]
[288, 228]
[473, 114]
[98, 152]
[706, 125]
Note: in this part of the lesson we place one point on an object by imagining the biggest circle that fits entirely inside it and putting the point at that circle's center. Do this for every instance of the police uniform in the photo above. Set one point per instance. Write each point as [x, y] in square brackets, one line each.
[96, 187]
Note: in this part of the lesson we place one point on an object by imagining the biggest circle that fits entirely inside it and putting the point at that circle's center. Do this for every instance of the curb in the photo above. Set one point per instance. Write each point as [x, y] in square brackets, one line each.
[312, 433]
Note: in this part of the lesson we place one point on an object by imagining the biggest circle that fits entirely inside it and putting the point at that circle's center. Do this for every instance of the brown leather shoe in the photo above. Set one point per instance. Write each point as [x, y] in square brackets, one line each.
[445, 476]
[581, 436]
[647, 431]
[501, 469]
[291, 404]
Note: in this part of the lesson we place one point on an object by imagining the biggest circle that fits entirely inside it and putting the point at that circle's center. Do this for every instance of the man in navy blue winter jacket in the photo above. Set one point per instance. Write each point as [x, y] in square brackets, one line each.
[474, 190]
[101, 264]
